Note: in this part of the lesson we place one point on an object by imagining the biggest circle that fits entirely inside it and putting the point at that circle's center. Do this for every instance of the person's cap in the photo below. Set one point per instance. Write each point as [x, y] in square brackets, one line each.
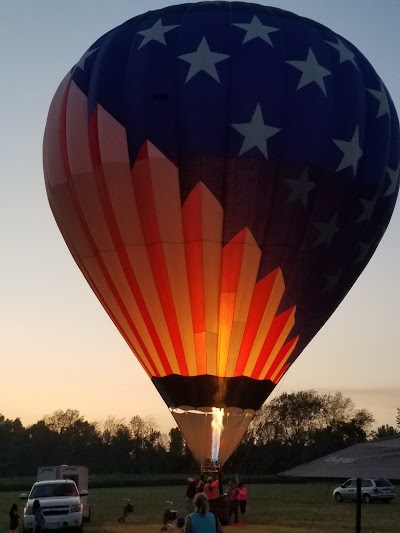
[210, 479]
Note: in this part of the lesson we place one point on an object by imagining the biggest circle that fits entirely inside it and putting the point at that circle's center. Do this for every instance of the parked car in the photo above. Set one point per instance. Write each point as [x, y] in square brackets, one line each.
[371, 490]
[60, 502]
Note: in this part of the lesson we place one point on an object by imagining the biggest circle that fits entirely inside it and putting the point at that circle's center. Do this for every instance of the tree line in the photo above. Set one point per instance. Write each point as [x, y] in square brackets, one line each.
[289, 430]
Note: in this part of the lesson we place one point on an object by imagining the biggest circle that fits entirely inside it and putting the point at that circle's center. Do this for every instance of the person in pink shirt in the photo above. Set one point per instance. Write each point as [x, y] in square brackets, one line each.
[211, 488]
[233, 494]
[242, 497]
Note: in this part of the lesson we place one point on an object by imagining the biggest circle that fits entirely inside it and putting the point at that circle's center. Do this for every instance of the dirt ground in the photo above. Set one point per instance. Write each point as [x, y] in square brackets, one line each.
[137, 528]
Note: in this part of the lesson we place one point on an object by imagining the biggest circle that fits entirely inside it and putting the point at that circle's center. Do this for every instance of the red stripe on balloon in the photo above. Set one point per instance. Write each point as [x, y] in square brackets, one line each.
[277, 326]
[95, 251]
[232, 256]
[261, 295]
[281, 373]
[121, 251]
[192, 232]
[281, 355]
[147, 210]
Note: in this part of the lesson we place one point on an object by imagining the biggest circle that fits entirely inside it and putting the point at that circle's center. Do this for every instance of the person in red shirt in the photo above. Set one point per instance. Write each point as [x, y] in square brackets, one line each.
[211, 488]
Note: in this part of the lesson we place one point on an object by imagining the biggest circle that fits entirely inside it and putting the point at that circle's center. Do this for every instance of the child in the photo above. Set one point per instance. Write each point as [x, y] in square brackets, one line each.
[40, 520]
[14, 516]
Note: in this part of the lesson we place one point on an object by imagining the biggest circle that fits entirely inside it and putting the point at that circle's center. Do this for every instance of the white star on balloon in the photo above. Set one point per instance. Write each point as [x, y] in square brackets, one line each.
[368, 208]
[311, 71]
[351, 152]
[255, 133]
[394, 176]
[156, 33]
[382, 98]
[256, 29]
[326, 231]
[344, 53]
[203, 60]
[300, 188]
[86, 55]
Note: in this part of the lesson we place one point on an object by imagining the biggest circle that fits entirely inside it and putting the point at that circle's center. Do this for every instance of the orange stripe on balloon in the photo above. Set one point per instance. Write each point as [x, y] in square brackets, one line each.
[247, 280]
[289, 352]
[281, 373]
[277, 334]
[167, 201]
[212, 232]
[116, 170]
[121, 270]
[226, 310]
[202, 226]
[192, 231]
[69, 193]
[266, 296]
[201, 352]
[232, 255]
[282, 356]
[109, 216]
[142, 184]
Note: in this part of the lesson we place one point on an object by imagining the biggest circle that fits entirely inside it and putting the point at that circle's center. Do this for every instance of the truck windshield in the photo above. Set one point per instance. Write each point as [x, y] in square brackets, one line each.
[53, 490]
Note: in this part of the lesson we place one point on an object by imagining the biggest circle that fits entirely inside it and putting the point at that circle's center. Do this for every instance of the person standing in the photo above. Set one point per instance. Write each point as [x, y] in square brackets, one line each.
[242, 497]
[14, 518]
[200, 484]
[40, 521]
[202, 521]
[233, 494]
[190, 494]
[211, 488]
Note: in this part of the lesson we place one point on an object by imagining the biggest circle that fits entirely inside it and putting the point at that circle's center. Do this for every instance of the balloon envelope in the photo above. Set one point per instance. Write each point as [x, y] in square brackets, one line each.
[221, 173]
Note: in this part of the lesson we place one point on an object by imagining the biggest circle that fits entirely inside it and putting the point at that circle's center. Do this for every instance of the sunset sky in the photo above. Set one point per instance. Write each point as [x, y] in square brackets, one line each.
[58, 347]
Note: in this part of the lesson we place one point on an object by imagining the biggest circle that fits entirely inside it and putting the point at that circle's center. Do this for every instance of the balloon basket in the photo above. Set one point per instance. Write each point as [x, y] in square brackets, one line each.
[210, 467]
[220, 507]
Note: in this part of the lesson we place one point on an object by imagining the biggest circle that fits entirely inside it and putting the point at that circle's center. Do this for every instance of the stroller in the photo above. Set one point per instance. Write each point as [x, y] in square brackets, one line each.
[127, 512]
[170, 519]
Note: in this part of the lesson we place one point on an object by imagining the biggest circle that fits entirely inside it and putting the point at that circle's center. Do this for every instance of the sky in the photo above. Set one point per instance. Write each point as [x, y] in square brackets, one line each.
[58, 347]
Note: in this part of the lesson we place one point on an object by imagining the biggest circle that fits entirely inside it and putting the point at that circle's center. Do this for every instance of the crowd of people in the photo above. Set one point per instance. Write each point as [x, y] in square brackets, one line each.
[197, 502]
[198, 495]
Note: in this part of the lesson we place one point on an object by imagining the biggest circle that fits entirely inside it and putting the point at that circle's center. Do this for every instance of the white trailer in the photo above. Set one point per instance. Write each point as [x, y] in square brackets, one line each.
[79, 474]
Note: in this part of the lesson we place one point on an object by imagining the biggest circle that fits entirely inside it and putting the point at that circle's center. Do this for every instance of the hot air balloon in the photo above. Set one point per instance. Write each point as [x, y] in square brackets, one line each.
[221, 173]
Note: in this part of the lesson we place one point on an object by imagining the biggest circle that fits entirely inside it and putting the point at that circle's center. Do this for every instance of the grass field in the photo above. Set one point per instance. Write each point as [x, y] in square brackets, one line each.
[272, 508]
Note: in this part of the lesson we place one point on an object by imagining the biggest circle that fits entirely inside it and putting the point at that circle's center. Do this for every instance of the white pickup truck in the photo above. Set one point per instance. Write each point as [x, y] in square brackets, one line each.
[60, 502]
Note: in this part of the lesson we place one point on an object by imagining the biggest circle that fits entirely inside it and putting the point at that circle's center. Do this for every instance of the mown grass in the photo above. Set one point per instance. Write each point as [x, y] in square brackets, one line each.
[308, 507]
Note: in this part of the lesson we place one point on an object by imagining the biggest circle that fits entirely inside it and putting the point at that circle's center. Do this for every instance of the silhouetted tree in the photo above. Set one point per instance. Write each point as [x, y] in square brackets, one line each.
[383, 431]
